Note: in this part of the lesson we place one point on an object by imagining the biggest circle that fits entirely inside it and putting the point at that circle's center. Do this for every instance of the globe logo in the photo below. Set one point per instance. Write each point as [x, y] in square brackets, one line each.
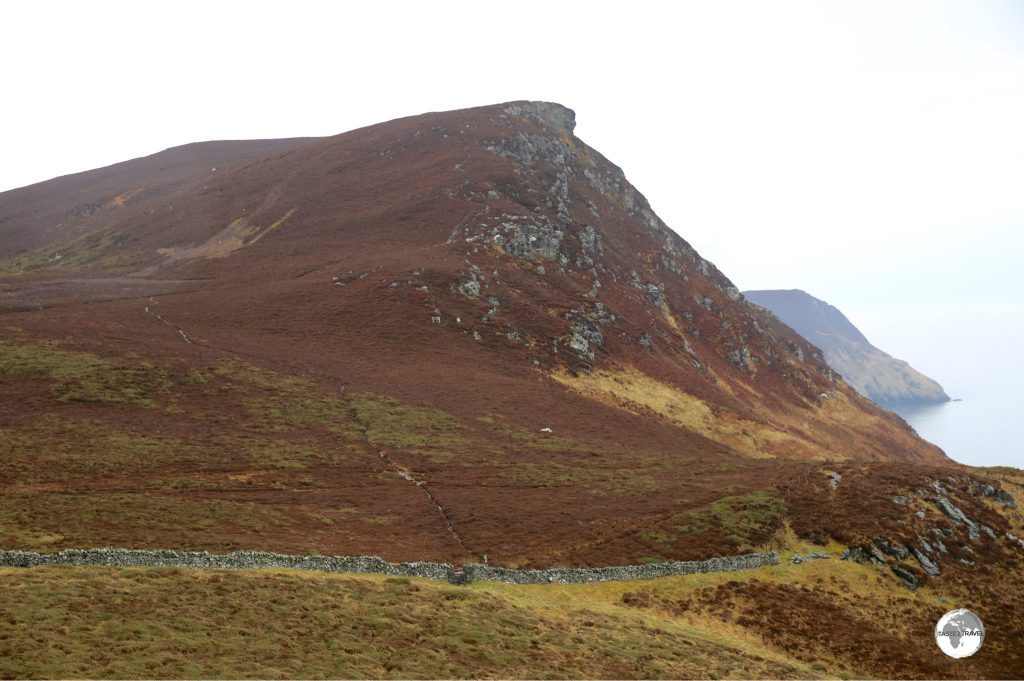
[959, 633]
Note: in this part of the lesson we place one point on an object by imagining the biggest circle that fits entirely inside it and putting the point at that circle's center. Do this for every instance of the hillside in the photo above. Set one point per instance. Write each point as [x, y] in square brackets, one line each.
[449, 337]
[876, 375]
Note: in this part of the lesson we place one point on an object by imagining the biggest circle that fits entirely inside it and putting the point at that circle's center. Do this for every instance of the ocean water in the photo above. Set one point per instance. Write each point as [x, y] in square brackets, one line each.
[985, 427]
[972, 349]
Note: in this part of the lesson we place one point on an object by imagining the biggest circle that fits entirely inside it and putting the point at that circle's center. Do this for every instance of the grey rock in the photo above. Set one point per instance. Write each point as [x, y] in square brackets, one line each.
[1005, 498]
[581, 345]
[989, 491]
[956, 515]
[740, 359]
[860, 555]
[926, 563]
[590, 241]
[902, 500]
[528, 237]
[655, 293]
[588, 331]
[938, 542]
[897, 551]
[908, 577]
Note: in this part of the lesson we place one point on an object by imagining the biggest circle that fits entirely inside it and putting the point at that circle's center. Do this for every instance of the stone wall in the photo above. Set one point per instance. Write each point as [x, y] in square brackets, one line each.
[247, 560]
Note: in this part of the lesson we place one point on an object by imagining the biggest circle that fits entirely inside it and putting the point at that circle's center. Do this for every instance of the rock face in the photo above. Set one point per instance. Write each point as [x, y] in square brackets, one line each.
[876, 375]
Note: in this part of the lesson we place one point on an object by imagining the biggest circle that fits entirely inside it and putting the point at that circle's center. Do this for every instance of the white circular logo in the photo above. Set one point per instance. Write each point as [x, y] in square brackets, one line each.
[959, 633]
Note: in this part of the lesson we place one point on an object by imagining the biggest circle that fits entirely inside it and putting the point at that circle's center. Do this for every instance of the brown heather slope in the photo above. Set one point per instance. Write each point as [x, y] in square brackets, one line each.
[440, 288]
[358, 345]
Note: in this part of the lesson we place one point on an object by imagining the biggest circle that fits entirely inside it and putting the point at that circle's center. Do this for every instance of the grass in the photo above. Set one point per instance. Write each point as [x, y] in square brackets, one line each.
[420, 430]
[84, 377]
[823, 619]
[635, 391]
[732, 524]
[87, 251]
[54, 520]
[595, 480]
[231, 430]
[171, 623]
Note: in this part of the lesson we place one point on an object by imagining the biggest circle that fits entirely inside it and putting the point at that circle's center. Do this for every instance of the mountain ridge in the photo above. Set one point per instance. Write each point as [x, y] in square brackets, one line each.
[873, 373]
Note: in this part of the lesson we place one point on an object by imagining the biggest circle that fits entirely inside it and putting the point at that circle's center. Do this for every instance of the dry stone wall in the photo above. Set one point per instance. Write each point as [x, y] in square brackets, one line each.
[249, 560]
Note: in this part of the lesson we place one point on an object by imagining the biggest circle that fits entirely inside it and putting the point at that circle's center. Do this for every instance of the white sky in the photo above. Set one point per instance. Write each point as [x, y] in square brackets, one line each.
[871, 153]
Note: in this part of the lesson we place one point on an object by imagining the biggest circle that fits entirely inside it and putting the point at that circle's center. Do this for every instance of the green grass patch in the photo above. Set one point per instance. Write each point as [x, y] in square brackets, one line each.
[87, 251]
[85, 377]
[419, 430]
[743, 520]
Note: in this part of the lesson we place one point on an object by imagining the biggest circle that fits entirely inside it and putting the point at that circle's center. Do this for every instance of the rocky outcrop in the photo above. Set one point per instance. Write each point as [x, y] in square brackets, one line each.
[957, 516]
[873, 373]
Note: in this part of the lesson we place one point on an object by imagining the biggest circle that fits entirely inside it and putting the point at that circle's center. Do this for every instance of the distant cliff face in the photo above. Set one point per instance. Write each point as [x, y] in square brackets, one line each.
[875, 374]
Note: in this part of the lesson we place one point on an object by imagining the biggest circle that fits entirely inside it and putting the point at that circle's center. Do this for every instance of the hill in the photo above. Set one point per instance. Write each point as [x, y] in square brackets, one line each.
[450, 336]
[876, 375]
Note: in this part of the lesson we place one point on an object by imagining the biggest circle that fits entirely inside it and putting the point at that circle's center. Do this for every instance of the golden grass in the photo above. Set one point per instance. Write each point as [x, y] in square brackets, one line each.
[174, 623]
[635, 391]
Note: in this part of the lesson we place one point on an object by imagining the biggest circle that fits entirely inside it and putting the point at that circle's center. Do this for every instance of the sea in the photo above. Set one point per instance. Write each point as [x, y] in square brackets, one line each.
[974, 353]
[983, 425]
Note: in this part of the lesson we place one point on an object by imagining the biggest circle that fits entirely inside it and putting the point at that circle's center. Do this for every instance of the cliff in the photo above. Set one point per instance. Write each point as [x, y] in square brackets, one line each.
[873, 373]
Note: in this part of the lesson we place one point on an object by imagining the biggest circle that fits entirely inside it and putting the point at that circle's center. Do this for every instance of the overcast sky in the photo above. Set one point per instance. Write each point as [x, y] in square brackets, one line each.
[870, 153]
